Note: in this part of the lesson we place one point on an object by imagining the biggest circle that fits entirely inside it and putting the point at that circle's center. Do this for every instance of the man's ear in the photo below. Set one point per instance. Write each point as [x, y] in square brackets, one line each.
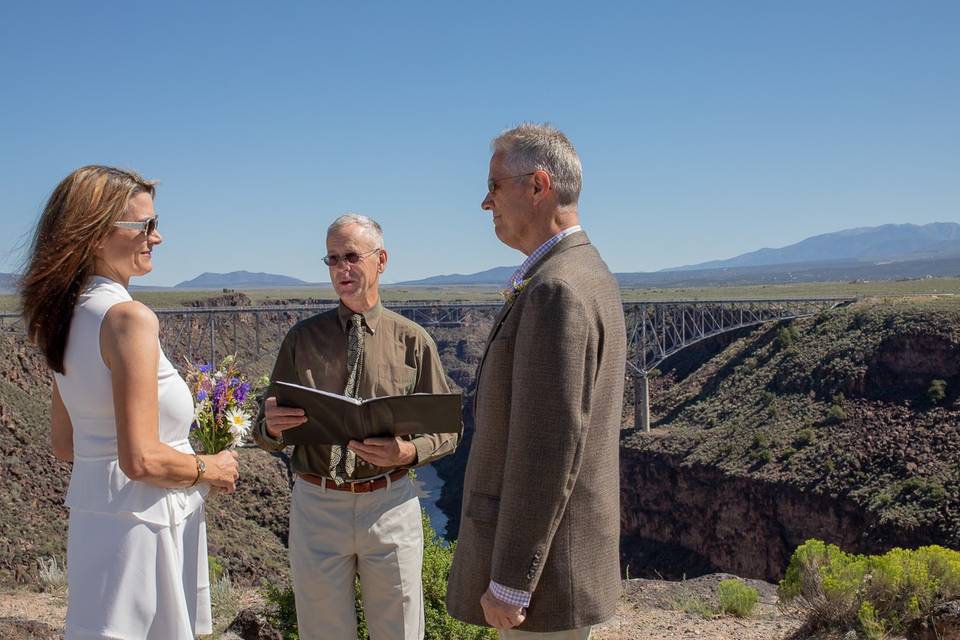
[541, 183]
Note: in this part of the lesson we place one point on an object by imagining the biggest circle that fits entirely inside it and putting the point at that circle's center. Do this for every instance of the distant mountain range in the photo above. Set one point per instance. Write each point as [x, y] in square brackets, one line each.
[890, 242]
[496, 275]
[886, 252]
[240, 280]
[869, 253]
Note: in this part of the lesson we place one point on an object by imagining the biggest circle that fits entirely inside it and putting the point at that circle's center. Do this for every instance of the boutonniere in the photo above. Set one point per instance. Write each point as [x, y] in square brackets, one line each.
[510, 293]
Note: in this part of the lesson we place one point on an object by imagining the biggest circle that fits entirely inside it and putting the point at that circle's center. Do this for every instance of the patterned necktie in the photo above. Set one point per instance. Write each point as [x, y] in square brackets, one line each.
[343, 461]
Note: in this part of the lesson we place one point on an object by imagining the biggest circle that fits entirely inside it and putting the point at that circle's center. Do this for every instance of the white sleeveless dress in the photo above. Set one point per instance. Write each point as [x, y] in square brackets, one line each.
[136, 552]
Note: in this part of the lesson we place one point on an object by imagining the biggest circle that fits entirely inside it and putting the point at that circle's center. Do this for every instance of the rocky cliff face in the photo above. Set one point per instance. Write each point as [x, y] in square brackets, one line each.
[745, 526]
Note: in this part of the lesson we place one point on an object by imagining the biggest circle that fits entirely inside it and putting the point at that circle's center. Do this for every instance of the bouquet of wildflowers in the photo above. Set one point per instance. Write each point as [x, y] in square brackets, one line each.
[225, 404]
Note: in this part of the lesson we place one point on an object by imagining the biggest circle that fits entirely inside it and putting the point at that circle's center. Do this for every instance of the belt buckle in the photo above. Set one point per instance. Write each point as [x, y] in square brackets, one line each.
[353, 485]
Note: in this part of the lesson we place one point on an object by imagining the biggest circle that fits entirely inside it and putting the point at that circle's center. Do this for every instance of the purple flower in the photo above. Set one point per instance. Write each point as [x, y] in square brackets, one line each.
[220, 396]
[206, 368]
[240, 395]
[193, 425]
[202, 395]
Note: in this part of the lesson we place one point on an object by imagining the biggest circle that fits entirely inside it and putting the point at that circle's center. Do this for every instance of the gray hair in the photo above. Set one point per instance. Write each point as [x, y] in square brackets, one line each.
[533, 147]
[370, 226]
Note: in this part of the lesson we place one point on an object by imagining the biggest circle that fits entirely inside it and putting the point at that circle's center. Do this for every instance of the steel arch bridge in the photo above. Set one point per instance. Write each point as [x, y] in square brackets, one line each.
[655, 330]
[658, 330]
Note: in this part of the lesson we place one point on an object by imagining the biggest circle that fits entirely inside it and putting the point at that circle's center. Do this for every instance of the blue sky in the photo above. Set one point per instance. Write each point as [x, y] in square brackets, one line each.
[706, 128]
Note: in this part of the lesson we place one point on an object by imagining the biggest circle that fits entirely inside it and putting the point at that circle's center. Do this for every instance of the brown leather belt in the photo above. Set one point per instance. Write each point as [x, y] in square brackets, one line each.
[356, 486]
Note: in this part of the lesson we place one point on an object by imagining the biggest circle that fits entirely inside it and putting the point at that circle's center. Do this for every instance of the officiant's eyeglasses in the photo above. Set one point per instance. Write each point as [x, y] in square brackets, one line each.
[352, 257]
[147, 226]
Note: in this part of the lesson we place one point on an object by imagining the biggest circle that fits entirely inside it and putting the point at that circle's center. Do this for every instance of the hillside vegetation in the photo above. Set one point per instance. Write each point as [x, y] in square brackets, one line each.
[858, 403]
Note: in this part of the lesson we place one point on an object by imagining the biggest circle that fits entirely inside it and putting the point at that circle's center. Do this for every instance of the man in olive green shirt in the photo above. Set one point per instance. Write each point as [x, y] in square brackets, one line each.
[354, 510]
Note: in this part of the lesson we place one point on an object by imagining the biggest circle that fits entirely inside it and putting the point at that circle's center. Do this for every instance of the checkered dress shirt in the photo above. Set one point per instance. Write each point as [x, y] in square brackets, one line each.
[517, 278]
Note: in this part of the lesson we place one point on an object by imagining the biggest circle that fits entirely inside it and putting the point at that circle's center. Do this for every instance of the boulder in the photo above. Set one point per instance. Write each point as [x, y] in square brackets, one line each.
[252, 625]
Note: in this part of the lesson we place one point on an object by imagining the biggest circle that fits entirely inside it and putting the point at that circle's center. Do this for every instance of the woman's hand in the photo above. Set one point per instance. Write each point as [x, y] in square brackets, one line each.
[222, 470]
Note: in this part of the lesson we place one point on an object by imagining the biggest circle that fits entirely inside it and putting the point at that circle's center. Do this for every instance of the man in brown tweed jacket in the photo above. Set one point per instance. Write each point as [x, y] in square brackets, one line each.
[539, 533]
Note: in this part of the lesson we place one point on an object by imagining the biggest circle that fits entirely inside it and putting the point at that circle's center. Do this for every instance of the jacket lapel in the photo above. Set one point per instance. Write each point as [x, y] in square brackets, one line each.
[573, 240]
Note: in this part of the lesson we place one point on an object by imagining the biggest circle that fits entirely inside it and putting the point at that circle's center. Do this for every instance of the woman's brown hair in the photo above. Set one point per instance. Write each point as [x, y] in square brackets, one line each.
[78, 217]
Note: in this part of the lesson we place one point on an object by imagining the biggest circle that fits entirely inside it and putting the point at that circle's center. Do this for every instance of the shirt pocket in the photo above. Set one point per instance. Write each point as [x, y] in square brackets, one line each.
[396, 379]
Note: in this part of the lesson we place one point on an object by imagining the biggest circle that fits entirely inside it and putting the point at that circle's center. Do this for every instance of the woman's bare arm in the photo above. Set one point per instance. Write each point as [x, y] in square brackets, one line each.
[130, 348]
[61, 429]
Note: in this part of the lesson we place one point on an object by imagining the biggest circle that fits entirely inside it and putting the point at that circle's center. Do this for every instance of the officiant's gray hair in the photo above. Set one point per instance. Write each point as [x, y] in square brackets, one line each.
[370, 226]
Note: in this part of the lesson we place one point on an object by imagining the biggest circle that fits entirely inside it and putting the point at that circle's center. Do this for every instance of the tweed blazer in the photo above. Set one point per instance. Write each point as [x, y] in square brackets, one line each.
[541, 498]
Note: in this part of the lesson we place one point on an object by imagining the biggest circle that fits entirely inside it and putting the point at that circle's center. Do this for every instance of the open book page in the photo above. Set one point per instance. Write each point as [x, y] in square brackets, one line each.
[356, 401]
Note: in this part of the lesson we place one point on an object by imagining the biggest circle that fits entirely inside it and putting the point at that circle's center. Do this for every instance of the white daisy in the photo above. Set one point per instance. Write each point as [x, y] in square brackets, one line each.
[238, 422]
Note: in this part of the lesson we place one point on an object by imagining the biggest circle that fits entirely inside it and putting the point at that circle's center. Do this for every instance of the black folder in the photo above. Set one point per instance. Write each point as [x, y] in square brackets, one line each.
[337, 419]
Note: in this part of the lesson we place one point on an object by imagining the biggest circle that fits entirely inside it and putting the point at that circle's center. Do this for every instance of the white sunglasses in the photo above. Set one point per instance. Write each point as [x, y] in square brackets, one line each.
[147, 226]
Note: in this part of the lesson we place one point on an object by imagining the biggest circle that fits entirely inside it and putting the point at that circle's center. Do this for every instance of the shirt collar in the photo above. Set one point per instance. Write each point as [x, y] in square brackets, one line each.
[371, 318]
[538, 253]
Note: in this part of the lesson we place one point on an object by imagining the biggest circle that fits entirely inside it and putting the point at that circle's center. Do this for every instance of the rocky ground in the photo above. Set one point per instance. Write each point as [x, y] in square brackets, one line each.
[649, 610]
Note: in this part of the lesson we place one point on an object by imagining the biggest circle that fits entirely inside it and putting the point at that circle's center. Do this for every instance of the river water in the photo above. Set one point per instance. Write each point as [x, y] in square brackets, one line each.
[429, 485]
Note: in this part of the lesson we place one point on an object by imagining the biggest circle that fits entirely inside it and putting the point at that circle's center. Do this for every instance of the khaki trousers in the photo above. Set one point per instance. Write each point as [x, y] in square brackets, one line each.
[336, 535]
[573, 634]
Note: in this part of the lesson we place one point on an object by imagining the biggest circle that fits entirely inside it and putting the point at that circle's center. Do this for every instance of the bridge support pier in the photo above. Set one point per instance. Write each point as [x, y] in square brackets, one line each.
[641, 402]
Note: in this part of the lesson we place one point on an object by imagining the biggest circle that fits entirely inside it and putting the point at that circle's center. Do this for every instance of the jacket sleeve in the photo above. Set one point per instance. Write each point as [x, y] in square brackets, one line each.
[552, 366]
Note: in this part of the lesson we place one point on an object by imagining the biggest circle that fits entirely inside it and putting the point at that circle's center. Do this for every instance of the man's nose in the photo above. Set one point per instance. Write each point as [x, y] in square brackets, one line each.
[487, 204]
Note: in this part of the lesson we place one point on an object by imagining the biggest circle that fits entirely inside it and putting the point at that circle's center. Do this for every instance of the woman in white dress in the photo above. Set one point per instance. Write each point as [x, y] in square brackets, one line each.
[136, 544]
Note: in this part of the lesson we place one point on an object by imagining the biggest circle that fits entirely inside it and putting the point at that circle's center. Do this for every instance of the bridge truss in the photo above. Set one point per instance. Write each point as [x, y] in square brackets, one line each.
[655, 330]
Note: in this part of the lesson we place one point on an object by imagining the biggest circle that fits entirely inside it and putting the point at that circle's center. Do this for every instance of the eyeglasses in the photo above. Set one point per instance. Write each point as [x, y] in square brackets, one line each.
[492, 182]
[147, 226]
[352, 257]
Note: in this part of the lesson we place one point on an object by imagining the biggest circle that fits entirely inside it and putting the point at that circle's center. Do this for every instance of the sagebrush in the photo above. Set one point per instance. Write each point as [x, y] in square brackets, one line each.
[873, 594]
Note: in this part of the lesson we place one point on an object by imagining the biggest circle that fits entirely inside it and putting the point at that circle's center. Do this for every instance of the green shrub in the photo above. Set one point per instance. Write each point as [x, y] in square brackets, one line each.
[760, 450]
[214, 568]
[689, 602]
[836, 414]
[923, 491]
[437, 558]
[873, 627]
[873, 594]
[282, 610]
[736, 598]
[805, 437]
[937, 391]
[785, 338]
